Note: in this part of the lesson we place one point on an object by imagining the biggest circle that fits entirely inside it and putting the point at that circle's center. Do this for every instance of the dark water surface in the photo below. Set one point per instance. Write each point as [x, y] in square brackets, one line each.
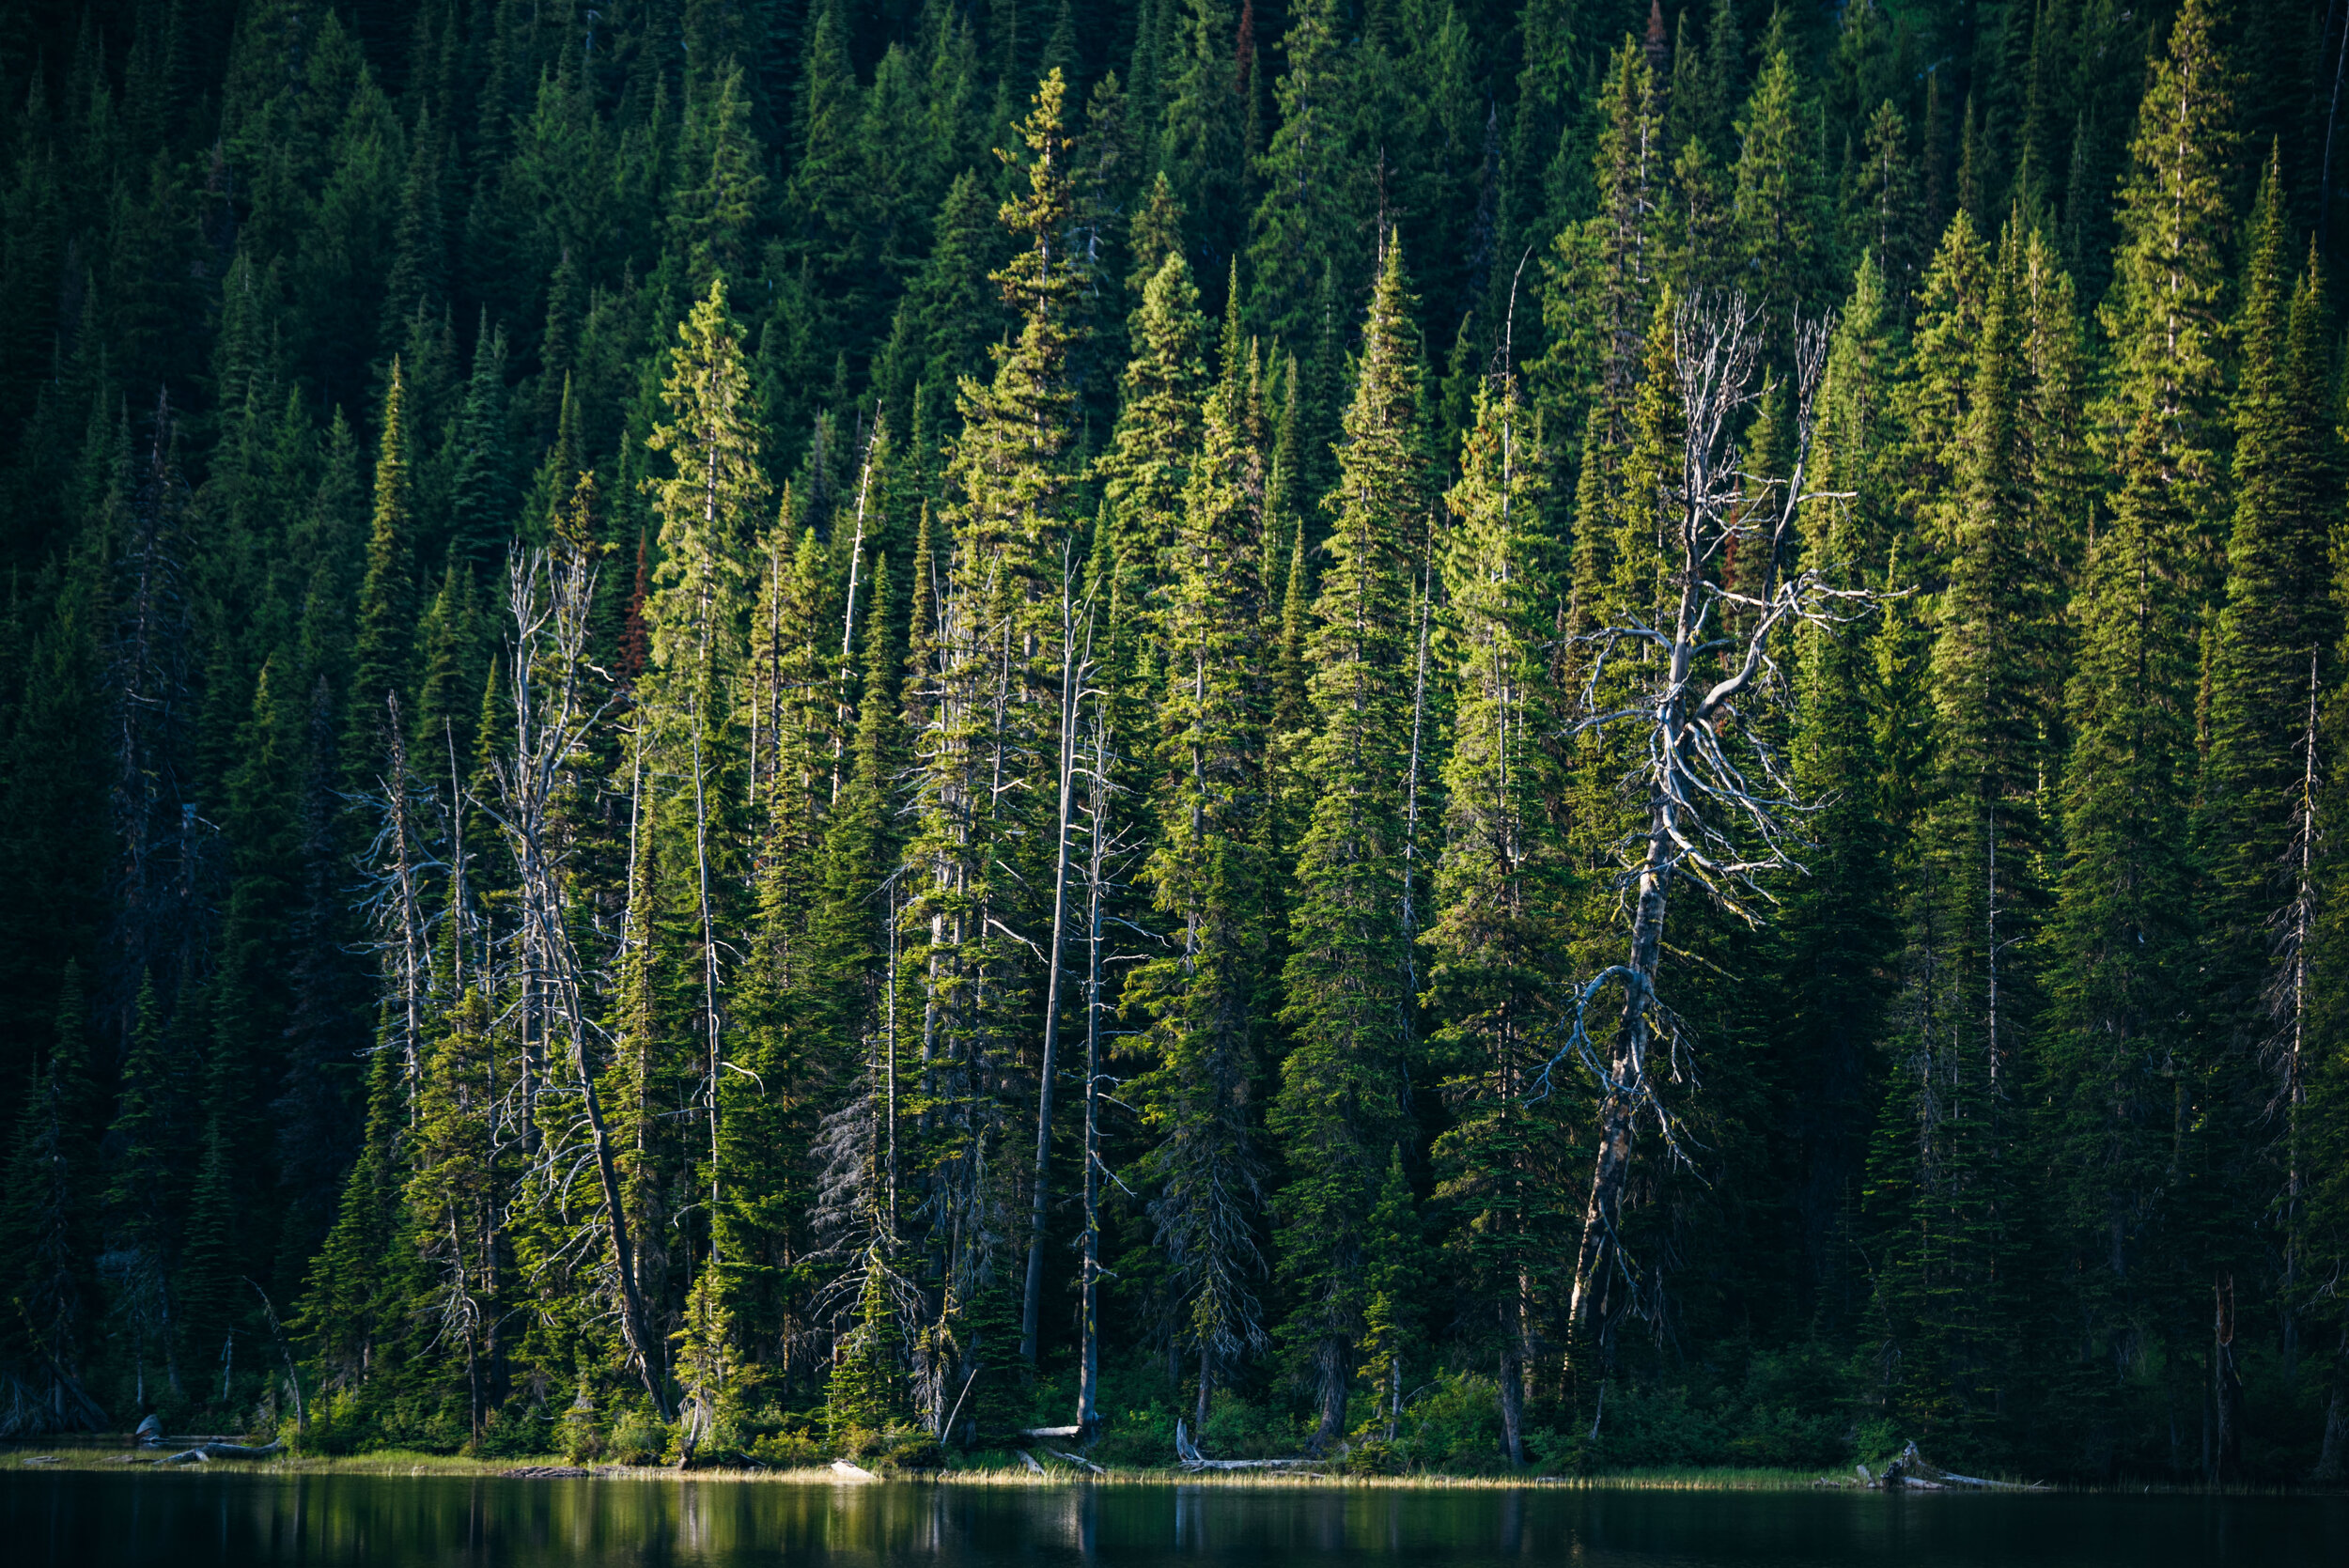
[180, 1520]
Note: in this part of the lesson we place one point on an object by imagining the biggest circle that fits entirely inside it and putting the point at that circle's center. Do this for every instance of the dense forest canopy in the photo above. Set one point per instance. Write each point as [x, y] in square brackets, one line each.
[1552, 734]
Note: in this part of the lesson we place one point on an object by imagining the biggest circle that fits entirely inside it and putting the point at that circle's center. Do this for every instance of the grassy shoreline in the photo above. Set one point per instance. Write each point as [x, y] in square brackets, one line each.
[22, 1454]
[404, 1463]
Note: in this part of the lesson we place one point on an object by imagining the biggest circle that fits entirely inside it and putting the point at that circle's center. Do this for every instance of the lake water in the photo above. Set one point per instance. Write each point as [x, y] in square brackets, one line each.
[181, 1519]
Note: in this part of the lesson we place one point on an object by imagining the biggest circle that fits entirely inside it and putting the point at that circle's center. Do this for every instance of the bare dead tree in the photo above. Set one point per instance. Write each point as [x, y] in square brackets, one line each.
[2287, 999]
[1715, 804]
[1076, 670]
[850, 1217]
[396, 861]
[1109, 850]
[873, 446]
[1097, 869]
[558, 700]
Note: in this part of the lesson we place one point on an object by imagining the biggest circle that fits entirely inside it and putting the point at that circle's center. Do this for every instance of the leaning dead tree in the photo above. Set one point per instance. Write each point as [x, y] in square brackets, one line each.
[1689, 685]
[558, 700]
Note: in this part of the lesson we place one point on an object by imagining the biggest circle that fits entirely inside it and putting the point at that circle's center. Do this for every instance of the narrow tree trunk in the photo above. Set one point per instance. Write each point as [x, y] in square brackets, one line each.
[633, 1318]
[1331, 1359]
[1617, 1106]
[2222, 1379]
[1089, 1362]
[2297, 999]
[847, 624]
[411, 914]
[889, 1034]
[710, 964]
[1031, 1300]
[1512, 1399]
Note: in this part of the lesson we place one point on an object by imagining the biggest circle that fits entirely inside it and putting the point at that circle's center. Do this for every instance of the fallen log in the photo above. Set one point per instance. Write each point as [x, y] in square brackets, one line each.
[204, 1451]
[1912, 1471]
[1028, 1460]
[546, 1472]
[1917, 1470]
[1188, 1453]
[1077, 1459]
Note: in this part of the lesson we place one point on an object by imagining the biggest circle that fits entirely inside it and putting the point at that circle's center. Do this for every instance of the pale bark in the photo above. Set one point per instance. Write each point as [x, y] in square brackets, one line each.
[1072, 677]
[550, 607]
[1719, 809]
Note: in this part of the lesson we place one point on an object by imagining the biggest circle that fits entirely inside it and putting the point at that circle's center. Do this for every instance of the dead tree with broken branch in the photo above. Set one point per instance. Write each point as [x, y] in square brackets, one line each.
[558, 701]
[1713, 803]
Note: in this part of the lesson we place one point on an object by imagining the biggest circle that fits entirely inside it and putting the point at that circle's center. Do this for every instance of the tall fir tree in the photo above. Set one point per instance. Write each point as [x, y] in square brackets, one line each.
[1345, 1095]
[1206, 1000]
[1501, 890]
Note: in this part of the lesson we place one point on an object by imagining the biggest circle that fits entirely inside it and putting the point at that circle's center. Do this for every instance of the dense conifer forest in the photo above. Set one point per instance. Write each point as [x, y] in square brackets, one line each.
[1463, 732]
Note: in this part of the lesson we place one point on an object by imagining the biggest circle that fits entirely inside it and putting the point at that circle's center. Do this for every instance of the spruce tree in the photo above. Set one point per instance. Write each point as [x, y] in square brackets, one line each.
[1781, 212]
[386, 618]
[1601, 280]
[1502, 884]
[344, 1314]
[1307, 171]
[1976, 895]
[2136, 1077]
[481, 502]
[1145, 473]
[2165, 315]
[690, 829]
[2277, 625]
[1342, 1101]
[49, 1221]
[2271, 658]
[1206, 999]
[1837, 922]
[986, 832]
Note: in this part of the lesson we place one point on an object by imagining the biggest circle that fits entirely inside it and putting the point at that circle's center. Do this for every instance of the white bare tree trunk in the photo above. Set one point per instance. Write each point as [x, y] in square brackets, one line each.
[1719, 811]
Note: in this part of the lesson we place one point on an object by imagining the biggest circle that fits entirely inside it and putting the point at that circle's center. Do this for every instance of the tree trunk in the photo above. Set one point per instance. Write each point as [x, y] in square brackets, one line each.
[710, 964]
[1512, 1399]
[1040, 1217]
[1617, 1106]
[1089, 1364]
[1331, 1359]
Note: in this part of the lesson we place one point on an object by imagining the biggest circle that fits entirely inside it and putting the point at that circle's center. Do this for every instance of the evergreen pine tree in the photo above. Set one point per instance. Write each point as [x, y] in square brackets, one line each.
[1976, 895]
[986, 831]
[1145, 470]
[1343, 1099]
[1205, 1000]
[1780, 210]
[1499, 935]
[48, 1222]
[142, 1209]
[481, 503]
[386, 594]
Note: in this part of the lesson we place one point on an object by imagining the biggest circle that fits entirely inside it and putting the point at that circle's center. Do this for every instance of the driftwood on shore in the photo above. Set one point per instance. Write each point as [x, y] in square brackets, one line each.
[1188, 1453]
[216, 1450]
[1912, 1472]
